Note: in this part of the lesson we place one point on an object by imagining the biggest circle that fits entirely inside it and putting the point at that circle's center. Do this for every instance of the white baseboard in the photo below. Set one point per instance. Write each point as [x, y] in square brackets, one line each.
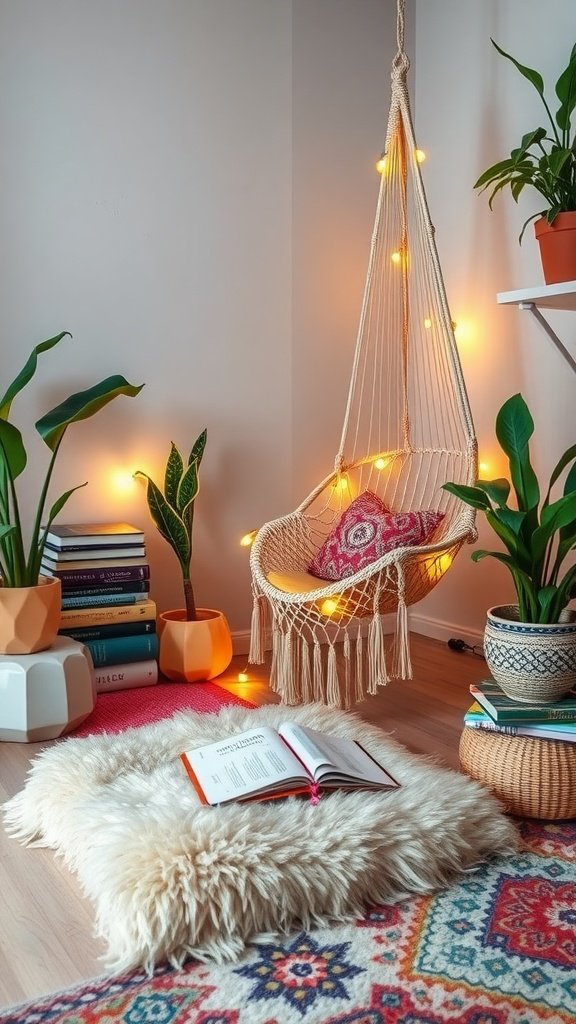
[436, 629]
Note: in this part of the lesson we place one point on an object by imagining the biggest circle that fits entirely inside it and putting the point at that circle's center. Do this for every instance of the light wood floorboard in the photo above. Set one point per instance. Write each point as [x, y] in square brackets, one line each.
[46, 925]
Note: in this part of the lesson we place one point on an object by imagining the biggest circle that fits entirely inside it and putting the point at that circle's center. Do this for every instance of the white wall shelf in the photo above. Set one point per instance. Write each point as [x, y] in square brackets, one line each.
[547, 296]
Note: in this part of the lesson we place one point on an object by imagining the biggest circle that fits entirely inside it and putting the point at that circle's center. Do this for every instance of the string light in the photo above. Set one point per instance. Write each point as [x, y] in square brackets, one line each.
[381, 463]
[444, 562]
[329, 606]
[248, 538]
[381, 164]
[122, 481]
[396, 257]
[427, 323]
[484, 467]
[243, 677]
[420, 155]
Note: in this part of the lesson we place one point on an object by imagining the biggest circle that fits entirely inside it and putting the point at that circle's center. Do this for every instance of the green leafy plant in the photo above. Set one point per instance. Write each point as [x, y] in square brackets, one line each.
[545, 160]
[172, 510]
[538, 539]
[20, 567]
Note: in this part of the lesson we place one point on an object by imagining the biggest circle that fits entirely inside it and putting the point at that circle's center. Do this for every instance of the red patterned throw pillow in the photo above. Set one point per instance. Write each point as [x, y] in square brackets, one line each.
[367, 530]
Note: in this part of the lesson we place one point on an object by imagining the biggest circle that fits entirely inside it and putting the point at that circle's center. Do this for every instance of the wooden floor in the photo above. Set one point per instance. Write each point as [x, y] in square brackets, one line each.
[45, 924]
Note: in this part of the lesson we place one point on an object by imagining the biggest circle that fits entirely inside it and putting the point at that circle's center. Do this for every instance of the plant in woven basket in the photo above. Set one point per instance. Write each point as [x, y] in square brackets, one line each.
[545, 159]
[538, 535]
[172, 510]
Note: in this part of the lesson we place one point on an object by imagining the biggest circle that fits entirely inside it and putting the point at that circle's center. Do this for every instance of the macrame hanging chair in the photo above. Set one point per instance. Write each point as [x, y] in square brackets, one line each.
[407, 430]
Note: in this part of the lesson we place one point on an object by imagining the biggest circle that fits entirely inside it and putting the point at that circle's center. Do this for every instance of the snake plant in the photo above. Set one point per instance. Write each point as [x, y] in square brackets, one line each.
[172, 509]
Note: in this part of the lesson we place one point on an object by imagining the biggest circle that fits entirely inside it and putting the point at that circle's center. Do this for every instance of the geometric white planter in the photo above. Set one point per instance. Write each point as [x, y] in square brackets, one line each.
[47, 694]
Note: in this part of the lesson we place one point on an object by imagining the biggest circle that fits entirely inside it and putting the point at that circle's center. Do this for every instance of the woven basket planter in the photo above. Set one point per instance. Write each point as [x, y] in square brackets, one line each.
[532, 663]
[534, 778]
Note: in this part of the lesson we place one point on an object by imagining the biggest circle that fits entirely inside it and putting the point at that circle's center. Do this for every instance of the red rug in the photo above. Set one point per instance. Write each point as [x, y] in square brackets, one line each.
[124, 709]
[499, 948]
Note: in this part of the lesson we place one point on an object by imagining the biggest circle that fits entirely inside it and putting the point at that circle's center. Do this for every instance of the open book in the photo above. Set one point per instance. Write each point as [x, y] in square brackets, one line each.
[264, 763]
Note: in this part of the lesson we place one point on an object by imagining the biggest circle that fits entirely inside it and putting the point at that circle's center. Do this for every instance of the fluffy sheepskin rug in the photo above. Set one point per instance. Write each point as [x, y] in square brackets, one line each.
[171, 878]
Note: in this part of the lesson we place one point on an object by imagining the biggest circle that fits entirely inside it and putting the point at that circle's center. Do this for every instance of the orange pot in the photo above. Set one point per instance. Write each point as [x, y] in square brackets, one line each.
[557, 243]
[194, 651]
[30, 616]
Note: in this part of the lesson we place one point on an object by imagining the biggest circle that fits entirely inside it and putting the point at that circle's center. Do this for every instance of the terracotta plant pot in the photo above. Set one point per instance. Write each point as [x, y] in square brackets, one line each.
[531, 662]
[30, 616]
[194, 651]
[557, 243]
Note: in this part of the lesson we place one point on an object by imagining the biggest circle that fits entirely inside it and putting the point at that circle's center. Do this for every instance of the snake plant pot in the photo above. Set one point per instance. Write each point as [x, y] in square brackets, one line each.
[557, 243]
[531, 662]
[194, 651]
[30, 616]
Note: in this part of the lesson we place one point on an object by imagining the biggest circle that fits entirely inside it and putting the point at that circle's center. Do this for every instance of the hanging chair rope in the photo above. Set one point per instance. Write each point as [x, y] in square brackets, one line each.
[407, 429]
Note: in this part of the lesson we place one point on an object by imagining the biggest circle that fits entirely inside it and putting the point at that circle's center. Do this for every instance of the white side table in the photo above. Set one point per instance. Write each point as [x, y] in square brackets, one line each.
[47, 694]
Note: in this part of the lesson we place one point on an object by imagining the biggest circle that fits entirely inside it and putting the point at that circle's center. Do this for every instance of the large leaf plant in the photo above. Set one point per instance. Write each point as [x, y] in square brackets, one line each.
[172, 509]
[19, 563]
[545, 160]
[538, 537]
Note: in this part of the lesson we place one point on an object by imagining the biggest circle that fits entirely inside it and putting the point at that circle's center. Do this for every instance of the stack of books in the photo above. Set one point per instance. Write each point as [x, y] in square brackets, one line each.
[494, 711]
[106, 602]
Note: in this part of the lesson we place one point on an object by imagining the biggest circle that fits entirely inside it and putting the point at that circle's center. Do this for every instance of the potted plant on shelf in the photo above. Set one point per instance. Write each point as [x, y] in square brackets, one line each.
[195, 643]
[545, 160]
[530, 647]
[29, 601]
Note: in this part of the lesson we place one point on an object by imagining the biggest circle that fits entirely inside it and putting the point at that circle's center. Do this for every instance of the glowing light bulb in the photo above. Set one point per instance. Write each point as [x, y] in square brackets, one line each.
[427, 323]
[381, 463]
[381, 165]
[444, 562]
[248, 538]
[343, 483]
[396, 257]
[242, 677]
[122, 481]
[420, 155]
[329, 606]
[484, 467]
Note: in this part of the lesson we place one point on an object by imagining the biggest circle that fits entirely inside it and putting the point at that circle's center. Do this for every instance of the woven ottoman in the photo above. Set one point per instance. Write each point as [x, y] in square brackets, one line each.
[534, 778]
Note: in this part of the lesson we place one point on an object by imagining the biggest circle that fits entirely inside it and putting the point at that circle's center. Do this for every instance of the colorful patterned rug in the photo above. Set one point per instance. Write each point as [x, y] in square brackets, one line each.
[127, 709]
[498, 948]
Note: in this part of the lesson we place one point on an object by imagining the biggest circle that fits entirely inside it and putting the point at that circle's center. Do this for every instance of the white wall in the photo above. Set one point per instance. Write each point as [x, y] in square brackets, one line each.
[472, 107]
[157, 157]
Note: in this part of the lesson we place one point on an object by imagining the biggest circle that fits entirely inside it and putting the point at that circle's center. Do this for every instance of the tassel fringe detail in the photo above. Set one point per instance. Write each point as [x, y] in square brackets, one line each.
[257, 631]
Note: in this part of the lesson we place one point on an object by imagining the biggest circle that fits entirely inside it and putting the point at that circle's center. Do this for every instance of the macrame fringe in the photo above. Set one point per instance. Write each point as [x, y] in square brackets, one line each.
[257, 631]
[317, 667]
[347, 669]
[305, 674]
[290, 682]
[276, 641]
[402, 667]
[359, 689]
[332, 688]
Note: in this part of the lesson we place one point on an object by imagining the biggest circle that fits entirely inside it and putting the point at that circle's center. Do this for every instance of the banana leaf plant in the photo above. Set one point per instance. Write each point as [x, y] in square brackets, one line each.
[172, 510]
[19, 564]
[538, 536]
[545, 160]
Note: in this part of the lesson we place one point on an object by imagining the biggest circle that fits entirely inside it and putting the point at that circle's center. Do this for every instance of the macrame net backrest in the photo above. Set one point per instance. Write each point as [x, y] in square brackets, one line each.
[407, 430]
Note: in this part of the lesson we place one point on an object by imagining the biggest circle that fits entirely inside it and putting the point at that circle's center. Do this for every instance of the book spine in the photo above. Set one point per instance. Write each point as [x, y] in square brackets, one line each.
[126, 677]
[57, 551]
[109, 574]
[519, 714]
[136, 587]
[97, 601]
[79, 618]
[112, 629]
[122, 649]
[538, 732]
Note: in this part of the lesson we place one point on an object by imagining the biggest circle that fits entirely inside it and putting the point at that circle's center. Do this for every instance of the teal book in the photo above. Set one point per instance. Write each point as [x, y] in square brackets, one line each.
[122, 649]
[503, 709]
[477, 718]
[97, 600]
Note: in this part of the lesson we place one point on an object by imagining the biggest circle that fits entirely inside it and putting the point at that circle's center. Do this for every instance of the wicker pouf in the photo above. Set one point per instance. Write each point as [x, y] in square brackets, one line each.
[534, 778]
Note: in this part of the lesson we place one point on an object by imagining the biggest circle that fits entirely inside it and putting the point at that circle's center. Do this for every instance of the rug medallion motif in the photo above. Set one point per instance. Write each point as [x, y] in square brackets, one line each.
[498, 948]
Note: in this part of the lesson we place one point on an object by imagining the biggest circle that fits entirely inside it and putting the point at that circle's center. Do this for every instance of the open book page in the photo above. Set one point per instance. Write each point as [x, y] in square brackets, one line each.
[253, 763]
[333, 760]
